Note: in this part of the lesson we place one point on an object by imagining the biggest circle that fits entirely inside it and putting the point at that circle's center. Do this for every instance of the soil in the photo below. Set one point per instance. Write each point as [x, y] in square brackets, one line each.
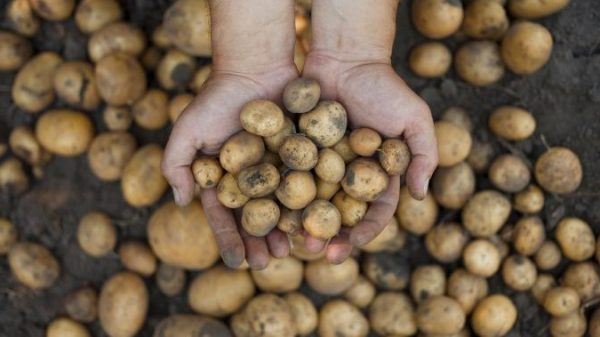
[564, 97]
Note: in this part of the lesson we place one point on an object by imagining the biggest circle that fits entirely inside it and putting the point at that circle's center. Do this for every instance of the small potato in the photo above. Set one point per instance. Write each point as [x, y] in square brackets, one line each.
[120, 79]
[340, 318]
[326, 190]
[454, 143]
[228, 192]
[182, 325]
[533, 9]
[142, 182]
[393, 314]
[445, 242]
[160, 38]
[24, 145]
[32, 89]
[170, 279]
[485, 20]
[14, 51]
[529, 235]
[33, 265]
[258, 181]
[390, 239]
[260, 216]
[453, 186]
[274, 142]
[437, 19]
[201, 75]
[75, 83]
[66, 327]
[96, 234]
[53, 10]
[187, 26]
[331, 279]
[321, 219]
[458, 116]
[116, 37]
[64, 132]
[304, 313]
[519, 273]
[365, 180]
[481, 258]
[82, 305]
[330, 166]
[21, 18]
[509, 173]
[93, 15]
[485, 213]
[542, 285]
[290, 221]
[361, 293]
[301, 95]
[280, 276]
[526, 47]
[480, 156]
[343, 149]
[495, 315]
[220, 291]
[123, 305]
[151, 58]
[548, 256]
[558, 170]
[576, 239]
[479, 63]
[137, 257]
[394, 157]
[430, 59]
[13, 177]
[240, 151]
[561, 301]
[266, 315]
[386, 275]
[416, 216]
[467, 289]
[299, 153]
[325, 124]
[427, 281]
[207, 172]
[571, 325]
[150, 111]
[584, 277]
[8, 236]
[177, 105]
[109, 153]
[512, 123]
[364, 141]
[351, 210]
[175, 70]
[529, 201]
[440, 315]
[117, 118]
[594, 329]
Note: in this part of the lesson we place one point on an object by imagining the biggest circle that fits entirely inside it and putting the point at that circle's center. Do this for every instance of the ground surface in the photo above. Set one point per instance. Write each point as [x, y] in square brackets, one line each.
[564, 97]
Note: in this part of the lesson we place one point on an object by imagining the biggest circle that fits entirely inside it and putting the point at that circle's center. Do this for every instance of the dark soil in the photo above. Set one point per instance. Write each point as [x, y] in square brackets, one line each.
[564, 97]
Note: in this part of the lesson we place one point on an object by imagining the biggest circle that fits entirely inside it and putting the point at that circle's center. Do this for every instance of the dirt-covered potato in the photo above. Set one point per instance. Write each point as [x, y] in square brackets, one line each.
[116, 37]
[427, 281]
[266, 315]
[142, 182]
[526, 47]
[533, 9]
[416, 216]
[509, 173]
[512, 123]
[298, 152]
[21, 18]
[576, 239]
[64, 132]
[14, 51]
[437, 19]
[393, 314]
[542, 285]
[331, 279]
[480, 156]
[485, 20]
[175, 70]
[301, 95]
[584, 277]
[258, 181]
[378, 267]
[458, 116]
[361, 293]
[120, 78]
[75, 83]
[170, 279]
[66, 327]
[321, 219]
[177, 105]
[343, 149]
[96, 234]
[326, 190]
[558, 170]
[207, 172]
[187, 26]
[394, 156]
[13, 177]
[220, 291]
[548, 256]
[280, 276]
[481, 257]
[561, 301]
[364, 141]
[160, 38]
[8, 236]
[33, 265]
[467, 289]
[137, 257]
[479, 63]
[330, 166]
[485, 213]
[240, 151]
[274, 142]
[351, 210]
[519, 272]
[23, 144]
[260, 216]
[340, 318]
[390, 239]
[529, 201]
[82, 305]
[183, 325]
[430, 59]
[53, 10]
[296, 190]
[117, 118]
[150, 111]
[303, 311]
[228, 192]
[365, 180]
[573, 324]
[454, 143]
[32, 89]
[201, 75]
[528, 235]
[123, 305]
[493, 316]
[453, 186]
[109, 153]
[325, 124]
[290, 221]
[93, 15]
[440, 315]
[445, 242]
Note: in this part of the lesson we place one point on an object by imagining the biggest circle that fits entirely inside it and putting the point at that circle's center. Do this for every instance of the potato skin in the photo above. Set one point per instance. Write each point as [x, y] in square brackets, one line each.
[427, 281]
[321, 219]
[301, 95]
[82, 305]
[175, 70]
[584, 277]
[229, 194]
[266, 315]
[364, 141]
[361, 293]
[416, 216]
[75, 83]
[330, 166]
[123, 305]
[512, 123]
[96, 234]
[519, 272]
[331, 279]
[117, 118]
[365, 180]
[340, 318]
[386, 275]
[485, 213]
[182, 325]
[120, 78]
[561, 301]
[21, 18]
[430, 59]
[343, 149]
[260, 216]
[325, 124]
[118, 36]
[479, 63]
[509, 173]
[33, 265]
[445, 242]
[53, 10]
[390, 239]
[454, 143]
[14, 51]
[24, 144]
[394, 157]
[493, 316]
[64, 132]
[170, 279]
[178, 104]
[526, 47]
[576, 239]
[548, 256]
[66, 327]
[142, 182]
[137, 257]
[259, 180]
[281, 275]
[467, 289]
[299, 153]
[240, 151]
[109, 153]
[201, 75]
[392, 314]
[296, 190]
[187, 25]
[573, 324]
[437, 19]
[485, 20]
[453, 186]
[207, 172]
[274, 142]
[32, 89]
[481, 258]
[303, 312]
[351, 210]
[558, 170]
[480, 156]
[261, 117]
[150, 111]
[92, 15]
[440, 315]
[533, 9]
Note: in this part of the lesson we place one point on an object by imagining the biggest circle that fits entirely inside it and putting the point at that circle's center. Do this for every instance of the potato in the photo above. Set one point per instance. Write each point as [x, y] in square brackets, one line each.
[351, 210]
[151, 58]
[260, 216]
[526, 47]
[467, 289]
[207, 172]
[459, 117]
[120, 79]
[594, 329]
[13, 177]
[303, 311]
[519, 272]
[393, 314]
[571, 325]
[182, 325]
[301, 95]
[228, 192]
[453, 186]
[66, 327]
[584, 277]
[364, 141]
[548, 256]
[390, 239]
[142, 182]
[75, 83]
[365, 180]
[576, 239]
[150, 111]
[32, 88]
[299, 54]
[299, 153]
[427, 281]
[53, 10]
[321, 219]
[21, 18]
[160, 38]
[445, 242]
[64, 132]
[325, 124]
[290, 221]
[331, 279]
[33, 265]
[529, 235]
[258, 181]
[361, 293]
[296, 190]
[274, 142]
[509, 173]
[440, 315]
[529, 201]
[479, 63]
[82, 305]
[326, 190]
[558, 170]
[485, 20]
[116, 37]
[178, 104]
[170, 279]
[109, 153]
[394, 156]
[430, 59]
[123, 305]
[343, 148]
[96, 234]
[481, 258]
[437, 19]
[512, 123]
[533, 9]
[298, 249]
[485, 213]
[330, 166]
[495, 315]
[24, 145]
[480, 156]
[93, 15]
[220, 291]
[378, 267]
[117, 118]
[280, 276]
[416, 216]
[175, 70]
[137, 257]
[15, 51]
[8, 236]
[340, 318]
[542, 285]
[561, 301]
[454, 143]
[187, 25]
[240, 151]
[201, 75]
[266, 315]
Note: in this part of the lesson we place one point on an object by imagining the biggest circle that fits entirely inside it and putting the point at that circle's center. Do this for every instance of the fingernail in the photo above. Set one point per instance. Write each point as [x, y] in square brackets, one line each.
[425, 187]
[231, 259]
[358, 240]
[176, 196]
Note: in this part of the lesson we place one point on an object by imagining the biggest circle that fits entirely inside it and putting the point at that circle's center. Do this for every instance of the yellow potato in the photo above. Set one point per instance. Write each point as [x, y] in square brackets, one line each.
[495, 315]
[519, 272]
[14, 51]
[66, 327]
[13, 177]
[454, 143]
[290, 221]
[201, 75]
[266, 315]
[558, 170]
[93, 15]
[116, 37]
[427, 281]
[393, 314]
[178, 104]
[331, 279]
[530, 200]
[326, 190]
[361, 293]
[481, 257]
[150, 111]
[301, 95]
[330, 166]
[485, 19]
[364, 141]
[274, 142]
[365, 180]
[240, 151]
[96, 234]
[53, 10]
[548, 256]
[430, 59]
[509, 173]
[512, 123]
[120, 79]
[182, 325]
[64, 132]
[479, 63]
[303, 311]
[480, 156]
[390, 239]
[467, 289]
[440, 315]
[343, 149]
[170, 279]
[529, 235]
[325, 124]
[21, 18]
[445, 242]
[175, 70]
[187, 26]
[394, 157]
[75, 83]
[416, 216]
[526, 47]
[576, 239]
[351, 210]
[533, 9]
[299, 153]
[280, 276]
[571, 325]
[117, 118]
[24, 145]
[137, 257]
[458, 116]
[258, 181]
[298, 249]
[260, 216]
[160, 38]
[142, 182]
[123, 305]
[32, 89]
[453, 186]
[485, 213]
[437, 19]
[561, 301]
[584, 277]
[33, 265]
[542, 285]
[389, 276]
[261, 117]
[228, 192]
[207, 172]
[321, 219]
[340, 318]
[82, 305]
[151, 58]
[8, 236]
[109, 153]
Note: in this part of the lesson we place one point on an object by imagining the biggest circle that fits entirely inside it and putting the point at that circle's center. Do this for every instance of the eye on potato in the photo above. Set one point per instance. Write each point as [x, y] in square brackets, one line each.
[340, 318]
[280, 276]
[331, 279]
[495, 315]
[416, 216]
[558, 170]
[321, 219]
[526, 47]
[260, 216]
[207, 172]
[93, 15]
[240, 151]
[440, 315]
[14, 51]
[142, 182]
[437, 19]
[512, 123]
[32, 89]
[120, 78]
[187, 26]
[181, 325]
[82, 305]
[170, 279]
[96, 234]
[266, 315]
[392, 314]
[301, 95]
[467, 289]
[175, 70]
[123, 304]
[21, 18]
[117, 118]
[325, 124]
[485, 20]
[116, 37]
[53, 10]
[430, 59]
[33, 265]
[365, 180]
[303, 311]
[479, 63]
[66, 327]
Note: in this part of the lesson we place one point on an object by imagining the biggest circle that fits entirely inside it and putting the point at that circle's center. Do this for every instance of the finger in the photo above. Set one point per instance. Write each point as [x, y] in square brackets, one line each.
[224, 226]
[257, 252]
[278, 243]
[378, 216]
[420, 137]
[339, 249]
[313, 244]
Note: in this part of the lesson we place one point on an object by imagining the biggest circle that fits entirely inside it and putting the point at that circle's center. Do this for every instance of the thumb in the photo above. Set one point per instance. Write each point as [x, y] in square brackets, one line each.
[179, 155]
[420, 138]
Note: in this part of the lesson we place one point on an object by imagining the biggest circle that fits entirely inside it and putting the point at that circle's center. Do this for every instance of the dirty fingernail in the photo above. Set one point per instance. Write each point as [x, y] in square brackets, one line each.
[231, 258]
